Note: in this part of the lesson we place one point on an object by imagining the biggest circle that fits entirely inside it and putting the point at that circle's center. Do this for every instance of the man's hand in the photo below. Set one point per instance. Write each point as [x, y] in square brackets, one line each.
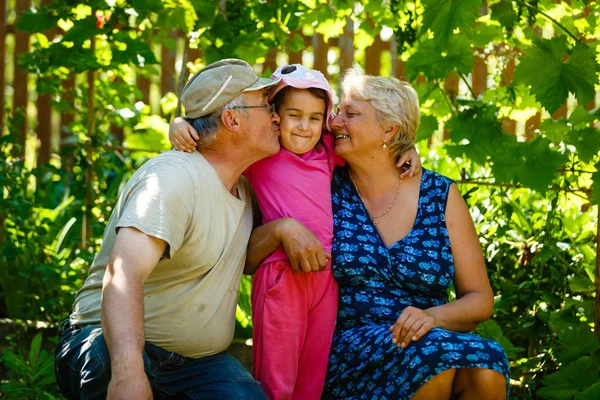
[304, 250]
[132, 385]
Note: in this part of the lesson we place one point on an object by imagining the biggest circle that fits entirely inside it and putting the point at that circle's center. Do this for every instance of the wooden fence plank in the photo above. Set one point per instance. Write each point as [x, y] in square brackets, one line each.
[3, 12]
[373, 57]
[509, 125]
[451, 83]
[346, 44]
[43, 128]
[143, 84]
[67, 117]
[479, 75]
[270, 63]
[44, 112]
[320, 49]
[20, 97]
[167, 76]
[295, 58]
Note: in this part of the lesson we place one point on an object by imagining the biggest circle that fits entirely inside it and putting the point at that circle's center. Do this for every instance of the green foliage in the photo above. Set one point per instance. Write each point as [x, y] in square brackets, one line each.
[553, 69]
[443, 17]
[31, 374]
[528, 193]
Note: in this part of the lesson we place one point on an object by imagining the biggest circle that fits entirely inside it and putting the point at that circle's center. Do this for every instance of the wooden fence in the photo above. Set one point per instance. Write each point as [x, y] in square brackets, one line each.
[51, 128]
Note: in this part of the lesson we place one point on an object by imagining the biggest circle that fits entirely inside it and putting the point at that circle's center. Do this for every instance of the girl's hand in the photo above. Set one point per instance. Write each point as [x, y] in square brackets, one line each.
[411, 326]
[182, 135]
[412, 157]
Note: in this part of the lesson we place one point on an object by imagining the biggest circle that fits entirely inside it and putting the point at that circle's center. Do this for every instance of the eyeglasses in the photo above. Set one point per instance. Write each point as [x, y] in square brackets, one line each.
[270, 107]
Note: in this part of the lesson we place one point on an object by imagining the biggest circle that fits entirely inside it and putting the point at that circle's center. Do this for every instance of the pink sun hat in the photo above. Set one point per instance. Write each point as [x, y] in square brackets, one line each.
[300, 77]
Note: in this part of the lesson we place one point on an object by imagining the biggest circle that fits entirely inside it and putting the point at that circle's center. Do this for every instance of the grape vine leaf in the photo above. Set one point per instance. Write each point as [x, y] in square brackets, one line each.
[504, 13]
[586, 141]
[82, 30]
[427, 127]
[436, 61]
[553, 70]
[39, 20]
[443, 16]
[532, 164]
[571, 379]
[148, 5]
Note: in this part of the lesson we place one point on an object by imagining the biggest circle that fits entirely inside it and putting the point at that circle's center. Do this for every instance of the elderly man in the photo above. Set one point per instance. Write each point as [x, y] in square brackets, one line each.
[157, 311]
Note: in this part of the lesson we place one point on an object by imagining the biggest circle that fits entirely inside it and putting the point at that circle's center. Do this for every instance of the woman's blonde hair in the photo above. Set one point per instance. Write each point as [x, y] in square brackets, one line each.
[395, 102]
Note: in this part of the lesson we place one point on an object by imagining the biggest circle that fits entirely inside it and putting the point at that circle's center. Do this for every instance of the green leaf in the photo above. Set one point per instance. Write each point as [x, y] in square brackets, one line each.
[580, 284]
[555, 130]
[504, 13]
[34, 351]
[570, 380]
[427, 127]
[586, 141]
[491, 330]
[581, 116]
[37, 20]
[591, 393]
[443, 16]
[436, 61]
[148, 5]
[554, 70]
[296, 44]
[533, 164]
[575, 342]
[82, 30]
[483, 34]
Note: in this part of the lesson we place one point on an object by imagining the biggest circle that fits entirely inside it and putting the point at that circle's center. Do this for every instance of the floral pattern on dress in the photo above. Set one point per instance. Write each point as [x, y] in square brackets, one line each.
[377, 282]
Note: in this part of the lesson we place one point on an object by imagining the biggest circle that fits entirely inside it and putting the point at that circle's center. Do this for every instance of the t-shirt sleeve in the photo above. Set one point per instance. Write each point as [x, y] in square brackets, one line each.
[160, 203]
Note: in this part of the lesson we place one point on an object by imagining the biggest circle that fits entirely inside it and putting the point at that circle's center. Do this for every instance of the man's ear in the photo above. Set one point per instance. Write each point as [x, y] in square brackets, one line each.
[231, 120]
[390, 132]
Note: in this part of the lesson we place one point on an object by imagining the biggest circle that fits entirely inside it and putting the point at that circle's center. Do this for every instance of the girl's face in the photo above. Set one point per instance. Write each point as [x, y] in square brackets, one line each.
[302, 116]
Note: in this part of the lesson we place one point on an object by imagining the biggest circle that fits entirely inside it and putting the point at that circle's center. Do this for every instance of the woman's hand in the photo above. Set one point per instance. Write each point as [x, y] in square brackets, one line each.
[182, 135]
[412, 157]
[411, 325]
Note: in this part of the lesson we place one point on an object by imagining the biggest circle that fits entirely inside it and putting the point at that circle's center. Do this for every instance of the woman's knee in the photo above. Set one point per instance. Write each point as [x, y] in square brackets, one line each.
[484, 381]
[438, 387]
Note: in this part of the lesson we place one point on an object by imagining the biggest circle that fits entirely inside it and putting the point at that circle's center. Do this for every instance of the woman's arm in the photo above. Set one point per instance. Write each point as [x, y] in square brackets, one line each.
[475, 300]
[304, 250]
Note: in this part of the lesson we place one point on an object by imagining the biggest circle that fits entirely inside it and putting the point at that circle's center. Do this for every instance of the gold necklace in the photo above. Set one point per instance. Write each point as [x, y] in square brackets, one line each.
[373, 217]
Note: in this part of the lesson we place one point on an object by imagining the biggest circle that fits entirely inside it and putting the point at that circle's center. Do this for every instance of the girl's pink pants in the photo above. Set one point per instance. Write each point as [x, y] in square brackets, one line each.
[293, 317]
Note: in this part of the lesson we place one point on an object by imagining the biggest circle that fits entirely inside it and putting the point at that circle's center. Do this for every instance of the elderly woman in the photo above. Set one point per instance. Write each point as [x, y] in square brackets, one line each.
[399, 244]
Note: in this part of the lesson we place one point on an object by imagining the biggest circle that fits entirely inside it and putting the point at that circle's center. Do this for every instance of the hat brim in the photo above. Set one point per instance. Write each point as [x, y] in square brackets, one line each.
[262, 83]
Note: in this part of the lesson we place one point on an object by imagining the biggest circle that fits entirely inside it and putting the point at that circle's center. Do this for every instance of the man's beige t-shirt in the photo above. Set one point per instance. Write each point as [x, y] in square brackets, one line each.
[191, 295]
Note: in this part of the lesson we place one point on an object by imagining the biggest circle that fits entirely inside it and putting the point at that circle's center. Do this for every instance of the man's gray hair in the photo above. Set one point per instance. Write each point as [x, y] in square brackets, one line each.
[208, 126]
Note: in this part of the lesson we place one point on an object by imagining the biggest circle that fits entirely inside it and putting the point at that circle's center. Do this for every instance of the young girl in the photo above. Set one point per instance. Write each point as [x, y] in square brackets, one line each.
[293, 314]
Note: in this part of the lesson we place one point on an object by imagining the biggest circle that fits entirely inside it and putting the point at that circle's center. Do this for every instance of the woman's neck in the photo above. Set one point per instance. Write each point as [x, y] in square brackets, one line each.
[374, 175]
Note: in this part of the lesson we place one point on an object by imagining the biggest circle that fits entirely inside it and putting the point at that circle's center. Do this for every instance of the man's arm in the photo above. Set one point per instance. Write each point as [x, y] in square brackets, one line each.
[133, 258]
[303, 249]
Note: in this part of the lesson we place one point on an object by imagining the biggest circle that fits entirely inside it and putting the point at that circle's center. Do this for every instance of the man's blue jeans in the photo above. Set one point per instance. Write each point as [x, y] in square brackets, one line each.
[82, 367]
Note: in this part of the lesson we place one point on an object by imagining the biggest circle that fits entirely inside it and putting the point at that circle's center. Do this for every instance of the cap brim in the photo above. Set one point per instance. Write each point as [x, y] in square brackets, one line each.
[262, 83]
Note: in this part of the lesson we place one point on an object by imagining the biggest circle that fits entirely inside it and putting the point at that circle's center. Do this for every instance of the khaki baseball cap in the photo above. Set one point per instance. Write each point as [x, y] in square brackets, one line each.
[211, 88]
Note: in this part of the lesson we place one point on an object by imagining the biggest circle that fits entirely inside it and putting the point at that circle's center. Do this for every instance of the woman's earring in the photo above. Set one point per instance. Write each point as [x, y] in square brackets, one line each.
[384, 146]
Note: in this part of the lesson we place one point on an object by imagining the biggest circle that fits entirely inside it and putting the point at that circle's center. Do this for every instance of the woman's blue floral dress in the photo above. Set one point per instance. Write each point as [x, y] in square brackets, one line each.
[377, 282]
